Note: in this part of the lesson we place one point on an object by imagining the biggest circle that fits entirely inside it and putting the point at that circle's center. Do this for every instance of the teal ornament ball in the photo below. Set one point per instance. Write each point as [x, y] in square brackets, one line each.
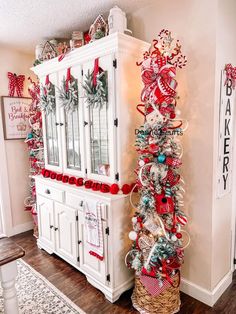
[161, 158]
[29, 136]
[145, 200]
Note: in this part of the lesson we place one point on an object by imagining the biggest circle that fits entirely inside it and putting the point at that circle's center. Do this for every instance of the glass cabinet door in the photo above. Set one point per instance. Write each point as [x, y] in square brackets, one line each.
[99, 141]
[73, 156]
[100, 115]
[51, 139]
[72, 120]
[51, 130]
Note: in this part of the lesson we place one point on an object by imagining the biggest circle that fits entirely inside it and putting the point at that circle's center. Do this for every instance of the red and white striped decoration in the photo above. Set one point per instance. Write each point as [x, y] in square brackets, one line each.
[16, 84]
[182, 220]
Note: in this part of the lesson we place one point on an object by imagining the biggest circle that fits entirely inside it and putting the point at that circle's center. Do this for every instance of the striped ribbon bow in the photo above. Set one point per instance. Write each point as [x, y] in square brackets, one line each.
[158, 78]
[16, 84]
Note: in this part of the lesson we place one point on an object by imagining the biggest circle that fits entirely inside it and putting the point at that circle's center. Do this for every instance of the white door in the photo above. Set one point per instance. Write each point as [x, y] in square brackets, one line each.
[100, 127]
[72, 127]
[52, 130]
[89, 263]
[66, 232]
[45, 221]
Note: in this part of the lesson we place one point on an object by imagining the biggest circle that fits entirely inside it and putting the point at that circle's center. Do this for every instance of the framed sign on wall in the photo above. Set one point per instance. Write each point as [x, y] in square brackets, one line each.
[15, 116]
[225, 136]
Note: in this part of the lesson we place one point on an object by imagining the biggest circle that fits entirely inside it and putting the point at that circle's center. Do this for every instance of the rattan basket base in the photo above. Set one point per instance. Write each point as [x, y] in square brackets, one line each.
[167, 302]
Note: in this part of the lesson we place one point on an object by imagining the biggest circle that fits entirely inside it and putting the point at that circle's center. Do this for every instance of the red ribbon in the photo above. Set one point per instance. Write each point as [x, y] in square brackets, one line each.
[96, 255]
[68, 79]
[34, 91]
[95, 71]
[16, 84]
[165, 272]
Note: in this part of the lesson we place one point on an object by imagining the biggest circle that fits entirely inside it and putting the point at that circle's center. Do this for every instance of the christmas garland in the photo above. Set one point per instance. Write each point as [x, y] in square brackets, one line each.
[47, 97]
[157, 233]
[95, 87]
[68, 93]
[88, 184]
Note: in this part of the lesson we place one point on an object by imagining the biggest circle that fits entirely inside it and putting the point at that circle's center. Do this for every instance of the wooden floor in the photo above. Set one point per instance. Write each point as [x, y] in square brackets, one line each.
[74, 285]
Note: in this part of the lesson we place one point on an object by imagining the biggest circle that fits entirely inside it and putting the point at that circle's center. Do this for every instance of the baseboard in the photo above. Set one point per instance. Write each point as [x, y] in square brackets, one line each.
[206, 296]
[21, 228]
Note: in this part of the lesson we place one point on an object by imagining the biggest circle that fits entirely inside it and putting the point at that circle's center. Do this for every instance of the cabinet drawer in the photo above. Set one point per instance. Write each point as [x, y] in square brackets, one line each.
[74, 200]
[77, 201]
[50, 192]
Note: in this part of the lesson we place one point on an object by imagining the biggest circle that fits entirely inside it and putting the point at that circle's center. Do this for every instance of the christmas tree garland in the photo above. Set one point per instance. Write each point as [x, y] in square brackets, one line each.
[159, 241]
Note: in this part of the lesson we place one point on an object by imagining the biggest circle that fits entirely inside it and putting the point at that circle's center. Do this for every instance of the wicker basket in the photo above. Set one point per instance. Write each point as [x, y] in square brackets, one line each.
[167, 302]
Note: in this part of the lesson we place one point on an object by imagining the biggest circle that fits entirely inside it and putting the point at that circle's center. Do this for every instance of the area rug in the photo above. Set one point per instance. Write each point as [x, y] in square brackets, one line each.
[36, 295]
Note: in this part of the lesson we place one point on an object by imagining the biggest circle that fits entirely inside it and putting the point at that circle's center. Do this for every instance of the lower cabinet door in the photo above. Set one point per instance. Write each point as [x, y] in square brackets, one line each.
[66, 232]
[90, 264]
[46, 221]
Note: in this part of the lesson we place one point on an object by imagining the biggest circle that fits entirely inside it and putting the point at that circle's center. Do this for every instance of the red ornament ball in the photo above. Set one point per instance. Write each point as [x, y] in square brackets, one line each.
[114, 188]
[179, 235]
[173, 230]
[126, 189]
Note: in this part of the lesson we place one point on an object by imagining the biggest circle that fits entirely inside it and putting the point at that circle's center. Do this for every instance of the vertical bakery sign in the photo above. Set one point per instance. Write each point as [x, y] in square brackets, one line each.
[15, 117]
[225, 138]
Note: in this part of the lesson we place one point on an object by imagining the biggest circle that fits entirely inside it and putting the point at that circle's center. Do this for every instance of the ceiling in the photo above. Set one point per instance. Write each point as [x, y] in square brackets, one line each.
[24, 23]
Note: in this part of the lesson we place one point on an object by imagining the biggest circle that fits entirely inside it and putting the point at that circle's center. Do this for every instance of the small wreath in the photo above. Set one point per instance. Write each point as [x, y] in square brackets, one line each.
[96, 95]
[47, 98]
[68, 94]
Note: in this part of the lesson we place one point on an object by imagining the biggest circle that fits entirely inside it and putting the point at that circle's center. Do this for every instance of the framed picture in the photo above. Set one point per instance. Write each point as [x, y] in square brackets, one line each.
[15, 117]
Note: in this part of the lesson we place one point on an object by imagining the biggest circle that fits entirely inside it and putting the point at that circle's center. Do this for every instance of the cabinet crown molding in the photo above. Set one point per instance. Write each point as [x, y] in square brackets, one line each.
[112, 43]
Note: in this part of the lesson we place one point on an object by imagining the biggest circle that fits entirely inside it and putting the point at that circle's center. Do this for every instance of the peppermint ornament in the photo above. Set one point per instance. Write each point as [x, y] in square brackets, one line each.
[182, 220]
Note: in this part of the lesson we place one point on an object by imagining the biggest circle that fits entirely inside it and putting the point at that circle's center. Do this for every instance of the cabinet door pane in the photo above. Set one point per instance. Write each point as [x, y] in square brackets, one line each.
[73, 140]
[99, 140]
[52, 139]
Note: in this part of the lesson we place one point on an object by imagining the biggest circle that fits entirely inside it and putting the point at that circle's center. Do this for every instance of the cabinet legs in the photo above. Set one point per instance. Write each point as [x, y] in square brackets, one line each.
[8, 273]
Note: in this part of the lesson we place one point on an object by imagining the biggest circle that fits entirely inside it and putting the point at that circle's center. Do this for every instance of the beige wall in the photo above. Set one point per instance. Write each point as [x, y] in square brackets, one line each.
[223, 211]
[14, 163]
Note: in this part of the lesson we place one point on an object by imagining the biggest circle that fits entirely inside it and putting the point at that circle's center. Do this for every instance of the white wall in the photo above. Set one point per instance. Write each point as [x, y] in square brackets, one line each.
[14, 158]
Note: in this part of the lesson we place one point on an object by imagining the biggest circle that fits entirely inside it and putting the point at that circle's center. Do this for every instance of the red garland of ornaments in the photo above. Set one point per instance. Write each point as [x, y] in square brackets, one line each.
[89, 184]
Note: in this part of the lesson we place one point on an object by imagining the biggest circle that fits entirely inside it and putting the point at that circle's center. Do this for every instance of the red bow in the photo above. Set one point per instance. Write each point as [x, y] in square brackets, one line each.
[230, 72]
[16, 84]
[158, 78]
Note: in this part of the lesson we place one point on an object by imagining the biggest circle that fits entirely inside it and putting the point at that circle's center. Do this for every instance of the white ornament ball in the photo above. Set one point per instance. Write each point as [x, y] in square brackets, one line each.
[141, 163]
[174, 238]
[134, 220]
[133, 235]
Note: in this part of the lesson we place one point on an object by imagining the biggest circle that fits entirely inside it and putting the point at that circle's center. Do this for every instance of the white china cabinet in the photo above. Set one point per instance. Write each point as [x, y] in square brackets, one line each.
[93, 143]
